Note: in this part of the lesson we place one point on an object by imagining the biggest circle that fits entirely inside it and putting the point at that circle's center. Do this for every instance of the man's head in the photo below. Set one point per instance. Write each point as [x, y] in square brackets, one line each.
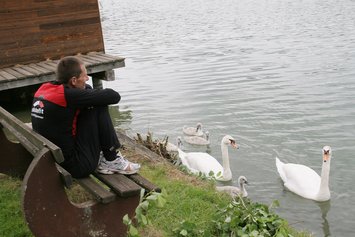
[71, 71]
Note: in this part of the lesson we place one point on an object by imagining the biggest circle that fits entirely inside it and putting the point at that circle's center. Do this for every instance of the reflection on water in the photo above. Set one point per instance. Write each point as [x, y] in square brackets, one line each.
[120, 118]
[324, 207]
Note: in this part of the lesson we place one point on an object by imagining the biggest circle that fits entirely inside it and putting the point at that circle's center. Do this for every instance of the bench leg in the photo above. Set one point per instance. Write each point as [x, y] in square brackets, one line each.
[49, 213]
[14, 158]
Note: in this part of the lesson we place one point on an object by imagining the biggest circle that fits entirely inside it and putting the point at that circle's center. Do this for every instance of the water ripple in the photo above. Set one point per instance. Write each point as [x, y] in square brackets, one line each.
[277, 75]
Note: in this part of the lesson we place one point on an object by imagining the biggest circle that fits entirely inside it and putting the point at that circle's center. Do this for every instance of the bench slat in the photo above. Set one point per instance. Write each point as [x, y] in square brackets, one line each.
[97, 190]
[120, 184]
[147, 185]
[65, 176]
[30, 139]
[22, 139]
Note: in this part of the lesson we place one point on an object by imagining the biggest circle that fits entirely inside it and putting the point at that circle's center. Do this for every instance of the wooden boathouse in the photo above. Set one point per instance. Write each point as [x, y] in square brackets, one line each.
[35, 34]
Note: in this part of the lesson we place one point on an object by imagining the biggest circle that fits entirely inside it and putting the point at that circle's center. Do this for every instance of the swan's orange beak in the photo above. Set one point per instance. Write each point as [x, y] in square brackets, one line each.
[326, 155]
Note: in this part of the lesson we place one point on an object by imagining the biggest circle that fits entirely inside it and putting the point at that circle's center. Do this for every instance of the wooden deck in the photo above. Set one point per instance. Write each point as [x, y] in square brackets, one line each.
[98, 65]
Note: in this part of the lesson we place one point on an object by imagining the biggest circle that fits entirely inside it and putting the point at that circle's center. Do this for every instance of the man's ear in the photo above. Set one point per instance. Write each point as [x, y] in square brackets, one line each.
[72, 82]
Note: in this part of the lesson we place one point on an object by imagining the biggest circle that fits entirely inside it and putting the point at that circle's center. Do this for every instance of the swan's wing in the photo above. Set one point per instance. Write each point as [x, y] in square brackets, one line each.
[301, 180]
[186, 130]
[279, 165]
[204, 162]
[184, 161]
[191, 131]
[231, 190]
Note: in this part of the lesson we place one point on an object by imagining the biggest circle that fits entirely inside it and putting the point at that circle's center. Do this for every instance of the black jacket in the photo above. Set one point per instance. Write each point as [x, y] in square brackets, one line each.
[56, 107]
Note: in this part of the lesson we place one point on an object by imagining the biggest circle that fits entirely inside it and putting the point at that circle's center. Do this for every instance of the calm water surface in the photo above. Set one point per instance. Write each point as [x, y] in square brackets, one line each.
[278, 75]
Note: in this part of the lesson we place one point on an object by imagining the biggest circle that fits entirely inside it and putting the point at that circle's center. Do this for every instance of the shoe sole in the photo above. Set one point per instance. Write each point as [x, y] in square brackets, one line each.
[103, 171]
[127, 172]
[112, 171]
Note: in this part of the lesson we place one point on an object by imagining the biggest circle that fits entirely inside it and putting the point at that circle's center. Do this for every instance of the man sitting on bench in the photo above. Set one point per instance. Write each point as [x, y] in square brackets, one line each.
[75, 117]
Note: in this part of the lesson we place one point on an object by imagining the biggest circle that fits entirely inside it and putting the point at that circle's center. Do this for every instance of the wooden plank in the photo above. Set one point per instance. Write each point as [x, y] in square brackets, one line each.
[100, 58]
[35, 73]
[91, 58]
[52, 63]
[29, 138]
[106, 57]
[39, 68]
[31, 70]
[52, 29]
[98, 191]
[64, 175]
[68, 23]
[2, 78]
[24, 72]
[147, 185]
[14, 73]
[6, 75]
[87, 61]
[71, 7]
[47, 66]
[120, 184]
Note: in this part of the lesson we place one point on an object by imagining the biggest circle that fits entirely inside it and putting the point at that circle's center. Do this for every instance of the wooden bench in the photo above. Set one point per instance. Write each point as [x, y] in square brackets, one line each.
[47, 209]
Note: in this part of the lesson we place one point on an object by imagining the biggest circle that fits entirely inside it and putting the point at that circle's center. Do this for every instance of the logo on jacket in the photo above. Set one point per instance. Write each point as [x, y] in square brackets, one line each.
[38, 109]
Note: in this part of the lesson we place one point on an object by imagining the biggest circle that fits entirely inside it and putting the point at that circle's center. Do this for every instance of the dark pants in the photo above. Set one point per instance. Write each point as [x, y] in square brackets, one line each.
[95, 133]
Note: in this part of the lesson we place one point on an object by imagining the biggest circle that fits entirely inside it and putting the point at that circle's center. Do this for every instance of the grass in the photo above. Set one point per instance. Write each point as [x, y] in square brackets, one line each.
[12, 223]
[190, 200]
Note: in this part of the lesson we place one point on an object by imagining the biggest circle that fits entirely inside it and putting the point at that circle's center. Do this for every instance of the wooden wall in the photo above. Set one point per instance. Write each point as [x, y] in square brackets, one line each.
[36, 30]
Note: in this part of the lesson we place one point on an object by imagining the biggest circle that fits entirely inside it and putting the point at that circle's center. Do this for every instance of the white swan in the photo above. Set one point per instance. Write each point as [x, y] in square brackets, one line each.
[233, 190]
[193, 131]
[196, 140]
[304, 181]
[203, 162]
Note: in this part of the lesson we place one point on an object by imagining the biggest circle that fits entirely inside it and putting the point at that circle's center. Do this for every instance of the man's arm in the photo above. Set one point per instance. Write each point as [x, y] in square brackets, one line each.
[91, 97]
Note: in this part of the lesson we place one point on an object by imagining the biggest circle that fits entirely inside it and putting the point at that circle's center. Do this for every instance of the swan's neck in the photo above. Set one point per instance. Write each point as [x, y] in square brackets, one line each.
[182, 158]
[244, 191]
[324, 192]
[227, 173]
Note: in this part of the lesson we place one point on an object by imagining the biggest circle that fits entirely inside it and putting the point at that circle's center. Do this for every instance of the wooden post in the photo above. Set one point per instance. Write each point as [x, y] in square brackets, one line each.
[98, 77]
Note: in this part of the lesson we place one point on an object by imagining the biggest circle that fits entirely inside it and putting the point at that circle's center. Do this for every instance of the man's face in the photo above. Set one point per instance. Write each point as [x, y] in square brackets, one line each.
[79, 82]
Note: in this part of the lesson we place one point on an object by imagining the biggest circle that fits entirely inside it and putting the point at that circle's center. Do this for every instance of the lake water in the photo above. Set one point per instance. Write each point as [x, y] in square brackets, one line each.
[277, 75]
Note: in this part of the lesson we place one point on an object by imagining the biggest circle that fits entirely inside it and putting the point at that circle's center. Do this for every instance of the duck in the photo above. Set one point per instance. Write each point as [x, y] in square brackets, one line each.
[196, 140]
[304, 181]
[193, 131]
[202, 162]
[234, 191]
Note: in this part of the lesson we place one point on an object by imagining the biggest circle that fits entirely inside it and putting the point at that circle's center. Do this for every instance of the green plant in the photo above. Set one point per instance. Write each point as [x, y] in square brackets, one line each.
[190, 229]
[244, 218]
[151, 200]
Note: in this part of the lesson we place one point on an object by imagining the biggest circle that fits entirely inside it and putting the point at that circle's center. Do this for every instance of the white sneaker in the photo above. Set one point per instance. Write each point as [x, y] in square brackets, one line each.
[119, 165]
